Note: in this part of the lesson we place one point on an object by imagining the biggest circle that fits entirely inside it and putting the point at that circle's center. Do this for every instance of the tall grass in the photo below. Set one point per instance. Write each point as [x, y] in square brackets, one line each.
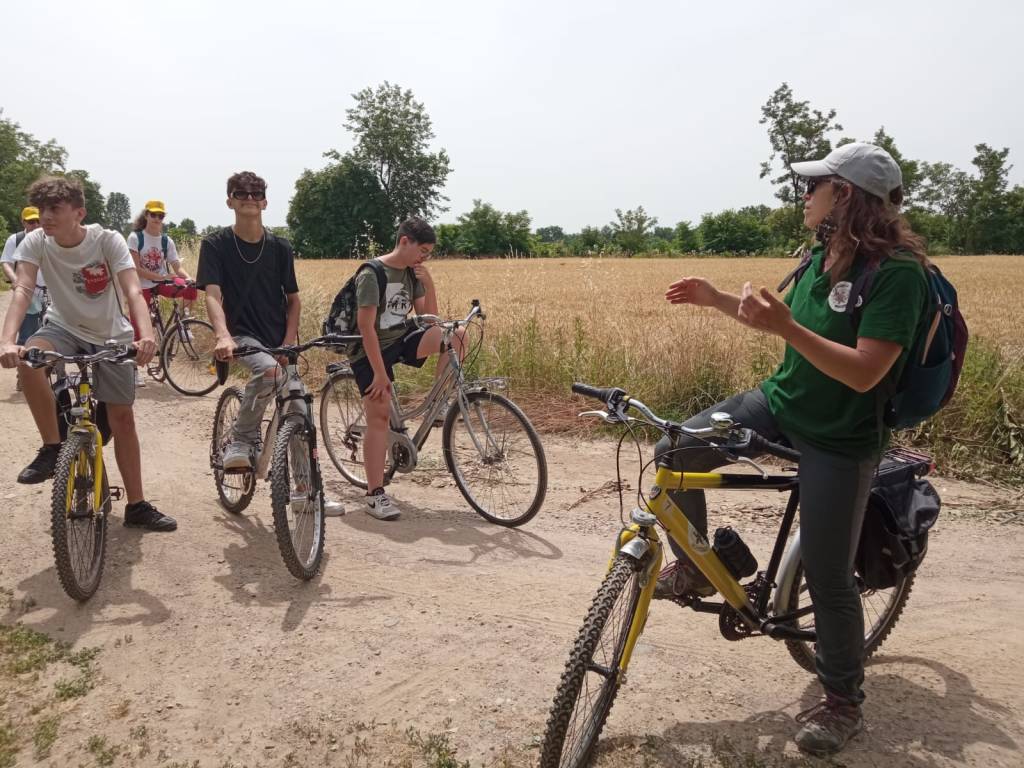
[605, 321]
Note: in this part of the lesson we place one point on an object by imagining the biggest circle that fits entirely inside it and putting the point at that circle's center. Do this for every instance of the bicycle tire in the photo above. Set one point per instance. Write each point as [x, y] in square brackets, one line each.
[522, 511]
[802, 651]
[78, 530]
[343, 426]
[234, 498]
[294, 447]
[622, 579]
[188, 364]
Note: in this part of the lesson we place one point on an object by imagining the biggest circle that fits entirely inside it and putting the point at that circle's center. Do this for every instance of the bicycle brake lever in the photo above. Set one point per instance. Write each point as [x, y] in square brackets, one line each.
[754, 464]
[604, 416]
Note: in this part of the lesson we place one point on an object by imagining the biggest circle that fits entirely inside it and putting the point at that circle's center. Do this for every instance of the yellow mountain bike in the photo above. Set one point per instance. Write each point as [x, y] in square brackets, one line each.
[776, 603]
[80, 504]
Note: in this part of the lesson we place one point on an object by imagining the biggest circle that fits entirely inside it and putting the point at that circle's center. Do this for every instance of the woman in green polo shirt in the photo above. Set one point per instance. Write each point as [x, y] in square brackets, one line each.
[822, 399]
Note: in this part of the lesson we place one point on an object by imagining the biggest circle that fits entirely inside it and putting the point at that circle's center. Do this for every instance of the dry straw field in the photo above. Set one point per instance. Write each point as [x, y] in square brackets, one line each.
[552, 321]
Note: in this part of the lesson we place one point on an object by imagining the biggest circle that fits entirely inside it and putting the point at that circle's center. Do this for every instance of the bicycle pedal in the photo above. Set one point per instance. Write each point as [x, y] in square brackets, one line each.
[116, 492]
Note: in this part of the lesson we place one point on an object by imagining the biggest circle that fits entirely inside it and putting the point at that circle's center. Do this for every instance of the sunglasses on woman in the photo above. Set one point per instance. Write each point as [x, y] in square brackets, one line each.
[248, 194]
[153, 215]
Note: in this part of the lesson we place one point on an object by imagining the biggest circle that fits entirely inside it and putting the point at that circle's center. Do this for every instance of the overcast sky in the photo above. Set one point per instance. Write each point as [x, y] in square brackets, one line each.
[566, 109]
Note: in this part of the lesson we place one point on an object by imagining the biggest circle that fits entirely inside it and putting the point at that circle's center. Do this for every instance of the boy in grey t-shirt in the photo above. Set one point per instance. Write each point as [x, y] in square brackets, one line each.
[388, 338]
[83, 266]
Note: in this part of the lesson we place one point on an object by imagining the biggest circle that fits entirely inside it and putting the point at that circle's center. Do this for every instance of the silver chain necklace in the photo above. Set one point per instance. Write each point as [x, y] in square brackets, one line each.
[263, 242]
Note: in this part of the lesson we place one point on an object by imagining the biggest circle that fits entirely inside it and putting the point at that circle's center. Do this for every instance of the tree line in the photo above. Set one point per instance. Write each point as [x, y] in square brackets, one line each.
[351, 208]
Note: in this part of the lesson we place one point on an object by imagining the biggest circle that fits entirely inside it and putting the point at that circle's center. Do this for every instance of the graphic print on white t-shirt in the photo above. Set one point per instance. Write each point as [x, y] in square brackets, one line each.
[92, 279]
[396, 306]
[151, 254]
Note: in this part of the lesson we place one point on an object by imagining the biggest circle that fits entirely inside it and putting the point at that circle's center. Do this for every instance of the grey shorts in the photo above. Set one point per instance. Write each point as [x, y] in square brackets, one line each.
[112, 383]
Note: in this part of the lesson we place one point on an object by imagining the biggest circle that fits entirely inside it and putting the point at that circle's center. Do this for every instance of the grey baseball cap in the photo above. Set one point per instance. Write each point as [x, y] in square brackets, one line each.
[868, 166]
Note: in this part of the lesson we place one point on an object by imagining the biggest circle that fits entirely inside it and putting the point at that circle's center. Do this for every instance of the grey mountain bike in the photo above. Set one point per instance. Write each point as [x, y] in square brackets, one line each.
[490, 447]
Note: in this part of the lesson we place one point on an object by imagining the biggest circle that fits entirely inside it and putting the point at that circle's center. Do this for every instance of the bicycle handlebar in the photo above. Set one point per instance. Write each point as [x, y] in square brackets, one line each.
[617, 402]
[451, 324]
[288, 350]
[38, 358]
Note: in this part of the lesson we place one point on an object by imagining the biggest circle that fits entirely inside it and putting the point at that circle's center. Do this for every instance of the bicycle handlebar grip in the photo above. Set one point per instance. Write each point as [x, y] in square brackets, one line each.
[779, 451]
[598, 393]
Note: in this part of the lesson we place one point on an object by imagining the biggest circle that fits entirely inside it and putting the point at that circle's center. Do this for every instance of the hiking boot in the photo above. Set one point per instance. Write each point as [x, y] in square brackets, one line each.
[42, 467]
[237, 457]
[828, 725]
[682, 578]
[142, 514]
[378, 505]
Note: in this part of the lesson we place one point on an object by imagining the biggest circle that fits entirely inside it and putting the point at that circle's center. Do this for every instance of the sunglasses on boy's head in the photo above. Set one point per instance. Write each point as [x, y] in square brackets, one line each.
[155, 215]
[248, 194]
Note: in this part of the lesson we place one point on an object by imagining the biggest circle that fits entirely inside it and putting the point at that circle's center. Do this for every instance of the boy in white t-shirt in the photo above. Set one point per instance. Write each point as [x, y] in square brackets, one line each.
[33, 317]
[81, 265]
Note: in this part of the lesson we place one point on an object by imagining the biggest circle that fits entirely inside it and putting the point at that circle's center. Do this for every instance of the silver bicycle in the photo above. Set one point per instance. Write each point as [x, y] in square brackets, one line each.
[490, 447]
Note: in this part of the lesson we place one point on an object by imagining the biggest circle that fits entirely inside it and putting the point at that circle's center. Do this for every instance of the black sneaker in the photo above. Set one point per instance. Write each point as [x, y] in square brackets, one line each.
[42, 467]
[144, 515]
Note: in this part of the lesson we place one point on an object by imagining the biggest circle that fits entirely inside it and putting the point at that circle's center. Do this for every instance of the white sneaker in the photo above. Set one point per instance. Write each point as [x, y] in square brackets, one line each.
[333, 508]
[378, 505]
[140, 380]
[237, 456]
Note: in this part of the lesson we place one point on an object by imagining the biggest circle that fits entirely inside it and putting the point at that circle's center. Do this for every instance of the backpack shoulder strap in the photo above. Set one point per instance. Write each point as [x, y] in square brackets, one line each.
[798, 271]
[19, 237]
[861, 290]
[163, 245]
[382, 277]
[138, 240]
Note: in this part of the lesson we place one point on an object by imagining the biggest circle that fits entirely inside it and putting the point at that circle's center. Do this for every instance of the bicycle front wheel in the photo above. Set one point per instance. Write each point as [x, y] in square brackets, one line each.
[496, 458]
[235, 489]
[882, 609]
[297, 498]
[343, 427]
[78, 525]
[591, 679]
[187, 357]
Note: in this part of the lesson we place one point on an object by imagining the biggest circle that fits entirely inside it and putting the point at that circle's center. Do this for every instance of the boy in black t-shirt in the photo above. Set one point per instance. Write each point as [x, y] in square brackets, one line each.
[252, 297]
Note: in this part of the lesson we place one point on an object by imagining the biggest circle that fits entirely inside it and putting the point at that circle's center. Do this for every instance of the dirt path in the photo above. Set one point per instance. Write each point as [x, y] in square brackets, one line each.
[450, 625]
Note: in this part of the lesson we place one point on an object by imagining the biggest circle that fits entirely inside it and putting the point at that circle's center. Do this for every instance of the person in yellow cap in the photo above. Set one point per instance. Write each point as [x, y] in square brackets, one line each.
[156, 259]
[33, 318]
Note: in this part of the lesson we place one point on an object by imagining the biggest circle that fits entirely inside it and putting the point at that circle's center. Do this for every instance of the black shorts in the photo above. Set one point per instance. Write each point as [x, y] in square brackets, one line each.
[402, 351]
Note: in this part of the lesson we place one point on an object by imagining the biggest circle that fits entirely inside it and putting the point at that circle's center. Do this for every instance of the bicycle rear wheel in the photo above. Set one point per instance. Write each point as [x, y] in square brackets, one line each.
[297, 498]
[882, 609]
[235, 489]
[187, 357]
[496, 458]
[78, 526]
[591, 679]
[343, 427]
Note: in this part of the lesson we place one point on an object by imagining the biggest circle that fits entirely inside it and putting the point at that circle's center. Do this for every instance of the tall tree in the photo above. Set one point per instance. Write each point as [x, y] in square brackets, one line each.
[393, 134]
[909, 169]
[631, 228]
[550, 234]
[119, 211]
[95, 204]
[796, 132]
[339, 212]
[486, 231]
[988, 222]
[23, 159]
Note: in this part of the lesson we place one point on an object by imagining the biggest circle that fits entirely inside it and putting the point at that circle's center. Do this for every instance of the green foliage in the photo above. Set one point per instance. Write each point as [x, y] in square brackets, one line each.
[685, 238]
[339, 212]
[4, 231]
[447, 239]
[631, 229]
[95, 204]
[486, 231]
[393, 133]
[550, 234]
[119, 212]
[187, 226]
[23, 159]
[796, 132]
[731, 231]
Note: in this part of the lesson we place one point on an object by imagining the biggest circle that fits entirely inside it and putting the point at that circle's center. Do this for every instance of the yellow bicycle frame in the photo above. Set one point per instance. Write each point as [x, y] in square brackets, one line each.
[84, 423]
[693, 543]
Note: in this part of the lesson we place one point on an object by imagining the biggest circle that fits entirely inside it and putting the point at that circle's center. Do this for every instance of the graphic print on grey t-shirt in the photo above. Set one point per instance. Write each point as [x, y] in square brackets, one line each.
[397, 305]
[92, 279]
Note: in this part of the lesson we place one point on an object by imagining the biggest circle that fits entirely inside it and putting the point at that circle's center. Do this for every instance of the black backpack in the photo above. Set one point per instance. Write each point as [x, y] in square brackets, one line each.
[342, 317]
[902, 508]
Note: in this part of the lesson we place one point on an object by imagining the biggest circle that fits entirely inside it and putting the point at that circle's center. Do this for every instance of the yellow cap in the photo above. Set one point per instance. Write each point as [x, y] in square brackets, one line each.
[30, 213]
[155, 206]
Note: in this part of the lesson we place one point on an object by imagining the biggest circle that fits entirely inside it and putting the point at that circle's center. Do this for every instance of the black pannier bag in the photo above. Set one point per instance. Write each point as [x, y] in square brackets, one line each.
[902, 507]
